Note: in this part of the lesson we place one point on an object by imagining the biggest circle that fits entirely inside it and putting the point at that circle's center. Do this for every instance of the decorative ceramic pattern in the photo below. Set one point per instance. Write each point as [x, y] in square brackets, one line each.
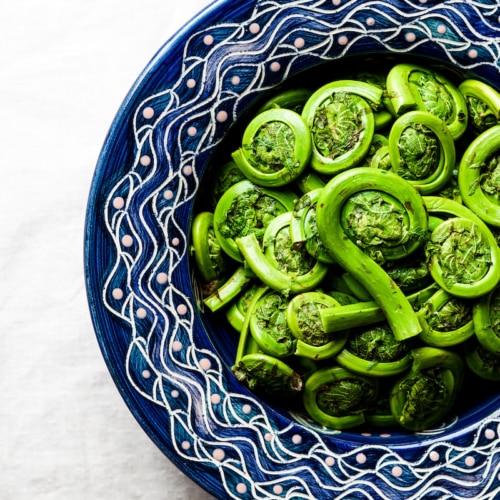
[141, 295]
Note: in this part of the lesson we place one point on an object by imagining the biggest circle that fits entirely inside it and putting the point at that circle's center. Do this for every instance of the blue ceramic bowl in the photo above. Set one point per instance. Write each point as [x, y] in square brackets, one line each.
[170, 362]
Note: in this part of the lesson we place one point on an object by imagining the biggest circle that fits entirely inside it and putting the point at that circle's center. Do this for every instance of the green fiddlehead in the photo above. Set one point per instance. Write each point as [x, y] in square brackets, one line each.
[343, 246]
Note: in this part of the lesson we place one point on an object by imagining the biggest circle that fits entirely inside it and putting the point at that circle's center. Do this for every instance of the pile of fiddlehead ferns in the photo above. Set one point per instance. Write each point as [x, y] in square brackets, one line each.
[352, 244]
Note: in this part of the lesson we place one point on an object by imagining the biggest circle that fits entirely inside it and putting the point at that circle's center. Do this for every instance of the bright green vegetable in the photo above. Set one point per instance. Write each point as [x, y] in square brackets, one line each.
[261, 372]
[303, 319]
[269, 327]
[483, 104]
[482, 362]
[479, 176]
[267, 375]
[228, 290]
[236, 310]
[375, 352]
[410, 274]
[304, 230]
[337, 398]
[341, 121]
[278, 264]
[308, 181]
[360, 314]
[355, 288]
[208, 255]
[446, 320]
[223, 178]
[247, 209]
[381, 159]
[276, 148]
[445, 208]
[486, 316]
[407, 237]
[376, 156]
[293, 99]
[422, 151]
[426, 394]
[413, 87]
[464, 258]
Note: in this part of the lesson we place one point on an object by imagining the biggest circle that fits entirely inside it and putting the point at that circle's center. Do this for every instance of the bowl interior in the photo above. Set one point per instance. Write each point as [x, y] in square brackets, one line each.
[482, 396]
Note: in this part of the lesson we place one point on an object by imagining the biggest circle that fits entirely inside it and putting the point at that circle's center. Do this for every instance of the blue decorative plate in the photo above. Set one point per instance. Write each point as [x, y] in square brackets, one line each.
[172, 364]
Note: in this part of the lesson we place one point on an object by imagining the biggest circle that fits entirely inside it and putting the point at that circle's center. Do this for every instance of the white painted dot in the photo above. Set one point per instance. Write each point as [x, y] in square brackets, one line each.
[299, 43]
[361, 458]
[370, 21]
[187, 170]
[472, 53]
[498, 476]
[330, 461]
[278, 489]
[191, 83]
[141, 313]
[423, 1]
[162, 278]
[145, 160]
[490, 434]
[366, 434]
[146, 373]
[336, 2]
[208, 40]
[118, 202]
[175, 393]
[410, 37]
[434, 456]
[222, 116]
[148, 113]
[275, 66]
[235, 80]
[218, 454]
[247, 409]
[205, 364]
[182, 309]
[297, 439]
[241, 488]
[186, 445]
[117, 293]
[441, 29]
[192, 131]
[127, 240]
[168, 194]
[385, 435]
[175, 242]
[343, 40]
[268, 436]
[177, 346]
[470, 461]
[254, 28]
[215, 398]
[397, 471]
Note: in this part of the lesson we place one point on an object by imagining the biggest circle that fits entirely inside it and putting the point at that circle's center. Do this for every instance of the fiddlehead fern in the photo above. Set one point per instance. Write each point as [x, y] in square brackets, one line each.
[341, 120]
[411, 219]
[276, 148]
[422, 151]
[479, 176]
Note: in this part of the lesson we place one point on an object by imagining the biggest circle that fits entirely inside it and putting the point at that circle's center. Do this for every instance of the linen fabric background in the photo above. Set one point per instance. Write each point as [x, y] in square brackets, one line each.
[65, 68]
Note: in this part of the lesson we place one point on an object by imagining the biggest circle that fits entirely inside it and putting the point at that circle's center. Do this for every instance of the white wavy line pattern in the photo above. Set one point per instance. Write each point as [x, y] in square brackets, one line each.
[230, 435]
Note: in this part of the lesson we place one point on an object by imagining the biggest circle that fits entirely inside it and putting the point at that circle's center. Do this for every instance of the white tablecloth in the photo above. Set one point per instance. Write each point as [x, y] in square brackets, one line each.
[65, 432]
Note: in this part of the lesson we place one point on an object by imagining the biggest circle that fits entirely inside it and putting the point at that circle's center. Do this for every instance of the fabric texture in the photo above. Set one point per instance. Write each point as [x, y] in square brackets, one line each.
[65, 431]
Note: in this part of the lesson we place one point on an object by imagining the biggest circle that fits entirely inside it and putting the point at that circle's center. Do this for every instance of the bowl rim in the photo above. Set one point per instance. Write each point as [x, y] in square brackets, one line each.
[110, 328]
